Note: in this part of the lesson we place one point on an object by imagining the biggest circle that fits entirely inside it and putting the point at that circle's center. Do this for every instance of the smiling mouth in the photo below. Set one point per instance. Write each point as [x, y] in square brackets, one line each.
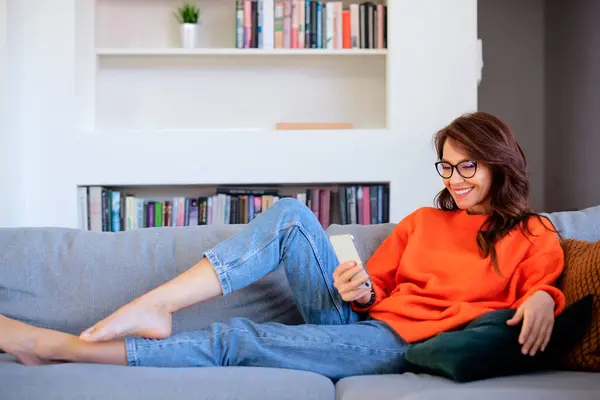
[462, 192]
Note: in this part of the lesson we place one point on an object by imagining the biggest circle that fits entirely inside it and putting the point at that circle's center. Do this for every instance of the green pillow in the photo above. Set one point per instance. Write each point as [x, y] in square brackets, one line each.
[487, 347]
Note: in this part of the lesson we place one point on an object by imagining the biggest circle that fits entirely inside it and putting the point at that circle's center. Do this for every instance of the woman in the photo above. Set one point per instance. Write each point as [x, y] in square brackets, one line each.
[480, 250]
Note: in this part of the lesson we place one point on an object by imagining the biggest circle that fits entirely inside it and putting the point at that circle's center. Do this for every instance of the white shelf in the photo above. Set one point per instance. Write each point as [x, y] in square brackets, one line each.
[254, 133]
[237, 52]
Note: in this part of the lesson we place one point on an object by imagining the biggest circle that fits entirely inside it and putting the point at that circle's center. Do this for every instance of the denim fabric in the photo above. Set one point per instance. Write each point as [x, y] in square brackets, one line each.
[335, 341]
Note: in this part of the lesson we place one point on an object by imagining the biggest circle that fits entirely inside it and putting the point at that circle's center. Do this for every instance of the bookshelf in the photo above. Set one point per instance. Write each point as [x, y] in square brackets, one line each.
[143, 24]
[142, 78]
[116, 209]
[170, 120]
[133, 52]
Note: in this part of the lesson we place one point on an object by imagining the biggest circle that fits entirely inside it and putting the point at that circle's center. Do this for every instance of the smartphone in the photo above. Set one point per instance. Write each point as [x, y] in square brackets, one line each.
[345, 249]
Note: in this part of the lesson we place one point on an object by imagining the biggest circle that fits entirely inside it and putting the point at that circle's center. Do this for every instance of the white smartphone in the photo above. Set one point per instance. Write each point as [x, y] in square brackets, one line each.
[345, 249]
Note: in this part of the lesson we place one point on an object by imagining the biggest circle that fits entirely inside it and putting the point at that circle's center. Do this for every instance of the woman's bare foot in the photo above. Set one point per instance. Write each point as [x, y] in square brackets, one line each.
[32, 345]
[150, 315]
[141, 318]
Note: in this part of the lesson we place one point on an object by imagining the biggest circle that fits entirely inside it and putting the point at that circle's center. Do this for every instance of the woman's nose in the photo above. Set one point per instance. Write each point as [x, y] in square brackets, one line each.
[456, 178]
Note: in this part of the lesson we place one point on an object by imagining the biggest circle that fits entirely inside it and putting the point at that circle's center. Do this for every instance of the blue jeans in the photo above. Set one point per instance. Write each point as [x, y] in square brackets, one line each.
[335, 341]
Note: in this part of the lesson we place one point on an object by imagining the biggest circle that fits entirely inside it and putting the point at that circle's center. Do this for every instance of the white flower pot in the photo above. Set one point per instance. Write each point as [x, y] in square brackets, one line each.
[189, 35]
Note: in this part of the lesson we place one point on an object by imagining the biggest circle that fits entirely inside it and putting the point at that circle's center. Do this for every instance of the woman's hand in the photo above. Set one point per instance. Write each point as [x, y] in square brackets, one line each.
[537, 314]
[347, 277]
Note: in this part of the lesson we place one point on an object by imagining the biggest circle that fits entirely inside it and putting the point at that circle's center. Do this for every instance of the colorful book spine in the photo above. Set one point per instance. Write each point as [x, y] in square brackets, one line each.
[175, 209]
[354, 25]
[360, 205]
[366, 211]
[380, 204]
[295, 24]
[346, 30]
[325, 208]
[239, 24]
[181, 212]
[362, 25]
[209, 208]
[339, 33]
[115, 213]
[254, 25]
[278, 24]
[158, 214]
[380, 26]
[351, 198]
[260, 19]
[268, 20]
[247, 24]
[193, 220]
[319, 28]
[301, 24]
[307, 24]
[373, 202]
[330, 26]
[313, 24]
[151, 214]
[370, 25]
[287, 24]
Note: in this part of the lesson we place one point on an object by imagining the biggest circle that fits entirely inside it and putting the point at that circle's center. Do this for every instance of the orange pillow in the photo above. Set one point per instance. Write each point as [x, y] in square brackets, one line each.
[580, 278]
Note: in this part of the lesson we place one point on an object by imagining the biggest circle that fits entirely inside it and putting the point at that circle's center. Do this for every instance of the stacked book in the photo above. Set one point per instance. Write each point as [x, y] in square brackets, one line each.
[310, 24]
[105, 209]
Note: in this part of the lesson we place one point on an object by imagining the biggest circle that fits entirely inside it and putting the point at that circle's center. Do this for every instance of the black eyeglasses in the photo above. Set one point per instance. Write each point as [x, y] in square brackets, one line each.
[466, 169]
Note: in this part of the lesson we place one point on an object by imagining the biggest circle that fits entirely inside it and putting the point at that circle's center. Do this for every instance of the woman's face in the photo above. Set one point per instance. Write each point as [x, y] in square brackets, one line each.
[470, 188]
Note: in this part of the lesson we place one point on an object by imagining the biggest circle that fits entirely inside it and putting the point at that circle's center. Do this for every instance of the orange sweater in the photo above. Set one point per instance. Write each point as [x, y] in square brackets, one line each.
[429, 276]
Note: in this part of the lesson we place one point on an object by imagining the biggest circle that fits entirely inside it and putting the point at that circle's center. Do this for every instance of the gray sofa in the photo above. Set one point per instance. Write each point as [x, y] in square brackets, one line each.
[68, 279]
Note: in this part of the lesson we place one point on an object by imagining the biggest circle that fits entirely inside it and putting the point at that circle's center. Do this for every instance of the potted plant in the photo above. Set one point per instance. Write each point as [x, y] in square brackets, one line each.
[188, 15]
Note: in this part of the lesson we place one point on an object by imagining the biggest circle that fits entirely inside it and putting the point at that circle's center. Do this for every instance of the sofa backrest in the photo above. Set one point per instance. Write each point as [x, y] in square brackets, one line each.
[68, 279]
[582, 225]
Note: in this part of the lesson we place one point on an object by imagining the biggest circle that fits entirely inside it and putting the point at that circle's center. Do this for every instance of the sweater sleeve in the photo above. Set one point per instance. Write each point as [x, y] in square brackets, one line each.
[384, 262]
[540, 270]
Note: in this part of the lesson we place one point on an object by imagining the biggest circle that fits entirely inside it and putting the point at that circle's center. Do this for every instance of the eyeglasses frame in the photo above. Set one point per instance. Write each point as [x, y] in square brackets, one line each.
[455, 167]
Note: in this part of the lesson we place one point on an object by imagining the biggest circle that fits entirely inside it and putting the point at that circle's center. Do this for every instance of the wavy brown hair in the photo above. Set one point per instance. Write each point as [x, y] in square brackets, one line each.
[489, 141]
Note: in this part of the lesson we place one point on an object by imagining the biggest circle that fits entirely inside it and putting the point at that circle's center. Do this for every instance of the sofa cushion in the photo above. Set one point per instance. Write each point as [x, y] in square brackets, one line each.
[581, 224]
[581, 277]
[547, 385]
[488, 347]
[100, 382]
[68, 279]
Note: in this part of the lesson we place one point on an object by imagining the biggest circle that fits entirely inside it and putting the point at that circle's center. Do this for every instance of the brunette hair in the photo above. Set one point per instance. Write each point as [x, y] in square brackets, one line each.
[489, 141]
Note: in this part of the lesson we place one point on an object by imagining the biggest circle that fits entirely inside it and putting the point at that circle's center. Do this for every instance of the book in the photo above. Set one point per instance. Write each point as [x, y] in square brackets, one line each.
[278, 25]
[295, 32]
[354, 25]
[247, 24]
[346, 30]
[267, 9]
[290, 126]
[319, 25]
[254, 26]
[239, 24]
[287, 24]
[330, 26]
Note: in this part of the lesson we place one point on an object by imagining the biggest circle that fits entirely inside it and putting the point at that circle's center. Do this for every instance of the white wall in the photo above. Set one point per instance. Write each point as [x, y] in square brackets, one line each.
[431, 79]
[11, 157]
[40, 41]
[513, 76]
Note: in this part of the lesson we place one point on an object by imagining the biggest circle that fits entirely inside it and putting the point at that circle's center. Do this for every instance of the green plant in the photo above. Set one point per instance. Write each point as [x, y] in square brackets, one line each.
[188, 14]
